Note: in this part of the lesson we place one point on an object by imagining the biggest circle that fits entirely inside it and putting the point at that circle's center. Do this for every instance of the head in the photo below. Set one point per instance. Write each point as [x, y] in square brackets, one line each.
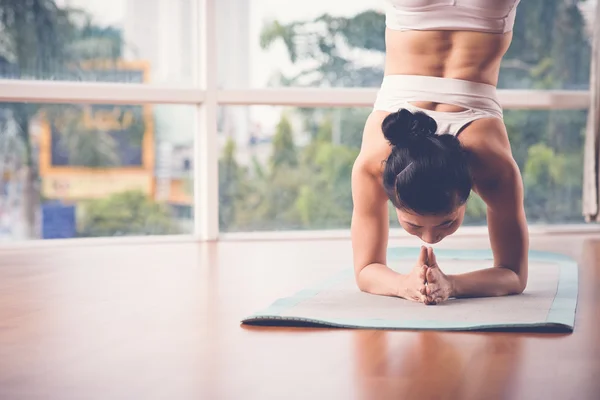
[426, 176]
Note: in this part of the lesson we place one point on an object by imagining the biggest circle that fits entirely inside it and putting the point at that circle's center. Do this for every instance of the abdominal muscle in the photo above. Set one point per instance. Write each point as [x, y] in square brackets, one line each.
[466, 55]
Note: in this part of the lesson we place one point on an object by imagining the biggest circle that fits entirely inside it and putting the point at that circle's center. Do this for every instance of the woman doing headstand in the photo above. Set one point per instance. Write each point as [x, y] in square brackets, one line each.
[436, 132]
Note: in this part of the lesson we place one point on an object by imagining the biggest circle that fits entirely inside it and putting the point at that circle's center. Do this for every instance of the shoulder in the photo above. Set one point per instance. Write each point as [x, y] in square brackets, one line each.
[495, 172]
[374, 147]
[370, 162]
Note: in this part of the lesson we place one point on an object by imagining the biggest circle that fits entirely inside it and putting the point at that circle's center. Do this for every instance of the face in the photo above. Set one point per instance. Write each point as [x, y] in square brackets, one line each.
[431, 228]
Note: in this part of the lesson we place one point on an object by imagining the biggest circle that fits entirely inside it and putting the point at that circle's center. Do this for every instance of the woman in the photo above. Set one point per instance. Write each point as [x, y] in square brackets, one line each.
[435, 134]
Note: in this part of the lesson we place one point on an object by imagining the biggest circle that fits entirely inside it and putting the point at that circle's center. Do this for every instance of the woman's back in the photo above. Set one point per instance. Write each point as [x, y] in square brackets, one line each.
[472, 56]
[460, 39]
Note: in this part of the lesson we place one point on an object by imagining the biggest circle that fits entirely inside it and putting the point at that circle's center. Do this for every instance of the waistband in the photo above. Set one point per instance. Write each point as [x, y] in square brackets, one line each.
[397, 90]
[435, 84]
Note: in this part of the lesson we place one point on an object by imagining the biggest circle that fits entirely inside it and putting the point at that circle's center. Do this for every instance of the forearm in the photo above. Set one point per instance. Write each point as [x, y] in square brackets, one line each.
[379, 279]
[489, 282]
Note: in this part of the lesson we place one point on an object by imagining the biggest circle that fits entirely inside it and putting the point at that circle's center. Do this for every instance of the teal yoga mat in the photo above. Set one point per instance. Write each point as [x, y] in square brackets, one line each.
[548, 304]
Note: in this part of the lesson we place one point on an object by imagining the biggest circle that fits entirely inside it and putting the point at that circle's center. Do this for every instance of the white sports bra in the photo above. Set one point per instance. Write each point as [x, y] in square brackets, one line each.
[492, 16]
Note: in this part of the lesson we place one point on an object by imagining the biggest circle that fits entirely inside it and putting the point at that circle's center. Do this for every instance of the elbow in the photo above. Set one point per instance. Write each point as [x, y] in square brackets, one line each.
[363, 283]
[511, 283]
[363, 289]
[511, 289]
[518, 289]
[360, 283]
[519, 284]
[522, 277]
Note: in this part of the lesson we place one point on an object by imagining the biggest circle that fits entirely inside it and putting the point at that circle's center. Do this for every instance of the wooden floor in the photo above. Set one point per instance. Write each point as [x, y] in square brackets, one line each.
[161, 321]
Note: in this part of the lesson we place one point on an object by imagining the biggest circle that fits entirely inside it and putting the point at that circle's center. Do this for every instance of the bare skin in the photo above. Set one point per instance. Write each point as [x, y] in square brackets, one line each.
[497, 180]
[439, 286]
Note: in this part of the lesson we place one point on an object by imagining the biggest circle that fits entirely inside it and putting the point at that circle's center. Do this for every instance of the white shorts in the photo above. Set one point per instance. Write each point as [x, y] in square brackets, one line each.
[479, 100]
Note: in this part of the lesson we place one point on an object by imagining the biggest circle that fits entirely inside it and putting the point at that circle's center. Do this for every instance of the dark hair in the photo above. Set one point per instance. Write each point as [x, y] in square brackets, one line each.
[426, 173]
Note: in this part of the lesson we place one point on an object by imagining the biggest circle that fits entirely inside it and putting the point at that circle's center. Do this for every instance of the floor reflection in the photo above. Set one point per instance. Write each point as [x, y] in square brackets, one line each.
[440, 365]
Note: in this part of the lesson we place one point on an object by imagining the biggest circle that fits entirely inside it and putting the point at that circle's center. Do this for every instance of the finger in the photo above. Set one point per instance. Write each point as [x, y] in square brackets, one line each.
[434, 299]
[433, 290]
[418, 297]
[423, 255]
[431, 278]
[431, 257]
[423, 273]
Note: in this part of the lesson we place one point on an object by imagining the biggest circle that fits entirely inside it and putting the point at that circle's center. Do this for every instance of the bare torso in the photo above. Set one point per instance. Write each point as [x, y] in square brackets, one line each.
[472, 56]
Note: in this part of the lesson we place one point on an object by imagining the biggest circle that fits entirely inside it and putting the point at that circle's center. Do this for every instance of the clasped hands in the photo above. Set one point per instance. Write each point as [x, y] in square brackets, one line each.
[426, 283]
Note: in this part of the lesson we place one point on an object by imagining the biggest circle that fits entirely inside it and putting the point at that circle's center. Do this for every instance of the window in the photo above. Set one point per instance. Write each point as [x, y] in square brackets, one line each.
[158, 117]
[331, 44]
[133, 41]
[90, 170]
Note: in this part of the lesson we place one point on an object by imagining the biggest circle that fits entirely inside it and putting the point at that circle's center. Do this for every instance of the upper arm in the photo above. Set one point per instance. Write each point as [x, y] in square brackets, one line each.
[369, 217]
[498, 181]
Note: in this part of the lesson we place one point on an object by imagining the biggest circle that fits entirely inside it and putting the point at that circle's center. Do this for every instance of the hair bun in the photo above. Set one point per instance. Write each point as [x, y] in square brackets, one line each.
[404, 128]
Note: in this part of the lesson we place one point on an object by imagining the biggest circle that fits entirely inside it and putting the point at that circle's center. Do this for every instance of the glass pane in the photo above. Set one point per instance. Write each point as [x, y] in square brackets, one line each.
[548, 146]
[289, 168]
[332, 43]
[92, 170]
[133, 41]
